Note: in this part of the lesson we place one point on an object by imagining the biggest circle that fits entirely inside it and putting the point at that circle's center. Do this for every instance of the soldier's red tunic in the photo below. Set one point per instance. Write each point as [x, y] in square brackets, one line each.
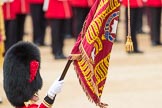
[133, 3]
[154, 3]
[58, 9]
[22, 6]
[36, 1]
[47, 103]
[35, 106]
[9, 11]
[82, 3]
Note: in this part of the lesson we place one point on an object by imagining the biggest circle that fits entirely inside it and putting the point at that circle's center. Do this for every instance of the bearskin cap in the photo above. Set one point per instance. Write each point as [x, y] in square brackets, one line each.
[21, 67]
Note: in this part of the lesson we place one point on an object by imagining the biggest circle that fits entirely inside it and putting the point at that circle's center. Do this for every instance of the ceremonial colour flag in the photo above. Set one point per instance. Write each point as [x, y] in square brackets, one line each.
[91, 52]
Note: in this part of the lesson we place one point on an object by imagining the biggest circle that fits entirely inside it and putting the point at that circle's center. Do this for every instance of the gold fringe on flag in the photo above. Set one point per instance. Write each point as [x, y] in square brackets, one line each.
[129, 43]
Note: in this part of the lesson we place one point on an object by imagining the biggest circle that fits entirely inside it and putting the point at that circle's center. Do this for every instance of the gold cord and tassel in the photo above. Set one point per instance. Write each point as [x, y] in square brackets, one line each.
[129, 43]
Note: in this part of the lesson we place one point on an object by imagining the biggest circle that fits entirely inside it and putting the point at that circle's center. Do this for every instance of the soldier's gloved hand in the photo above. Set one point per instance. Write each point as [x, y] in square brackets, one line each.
[55, 88]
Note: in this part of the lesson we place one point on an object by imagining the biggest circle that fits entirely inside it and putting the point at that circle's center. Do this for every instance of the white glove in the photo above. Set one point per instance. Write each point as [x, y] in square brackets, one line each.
[55, 88]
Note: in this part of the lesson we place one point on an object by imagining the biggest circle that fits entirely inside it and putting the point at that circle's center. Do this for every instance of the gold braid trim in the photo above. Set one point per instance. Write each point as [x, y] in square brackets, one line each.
[29, 103]
[46, 104]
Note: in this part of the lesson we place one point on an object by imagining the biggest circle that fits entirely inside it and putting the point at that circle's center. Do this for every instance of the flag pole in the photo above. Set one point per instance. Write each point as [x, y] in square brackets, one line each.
[129, 43]
[65, 69]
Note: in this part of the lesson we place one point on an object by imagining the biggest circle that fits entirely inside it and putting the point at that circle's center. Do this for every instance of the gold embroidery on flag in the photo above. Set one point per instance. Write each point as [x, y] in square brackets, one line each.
[101, 69]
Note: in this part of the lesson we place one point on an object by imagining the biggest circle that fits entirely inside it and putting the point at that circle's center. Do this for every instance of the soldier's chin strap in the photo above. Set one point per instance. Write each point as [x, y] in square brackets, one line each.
[32, 101]
[129, 43]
